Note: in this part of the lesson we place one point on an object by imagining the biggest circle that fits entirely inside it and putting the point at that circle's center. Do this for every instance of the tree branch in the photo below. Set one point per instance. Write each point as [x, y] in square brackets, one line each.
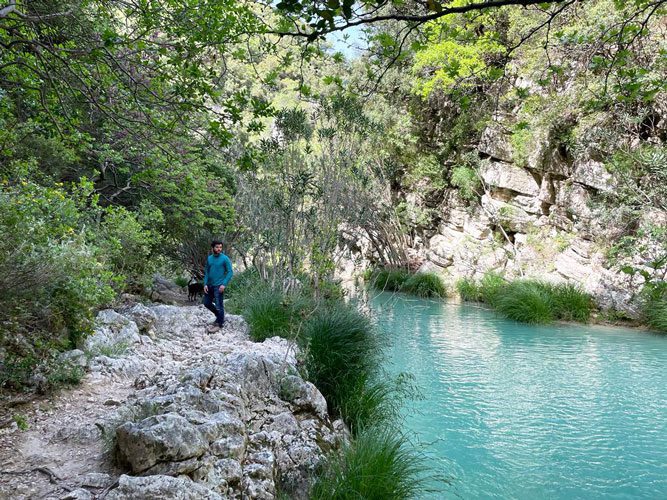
[419, 19]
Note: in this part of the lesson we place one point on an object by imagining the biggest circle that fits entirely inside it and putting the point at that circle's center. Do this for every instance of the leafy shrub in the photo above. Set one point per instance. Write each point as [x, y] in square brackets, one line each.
[378, 464]
[655, 314]
[525, 301]
[53, 275]
[469, 290]
[391, 280]
[466, 179]
[181, 281]
[569, 302]
[425, 285]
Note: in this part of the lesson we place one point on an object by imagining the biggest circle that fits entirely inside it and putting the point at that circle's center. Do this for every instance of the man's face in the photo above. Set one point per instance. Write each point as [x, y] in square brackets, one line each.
[217, 249]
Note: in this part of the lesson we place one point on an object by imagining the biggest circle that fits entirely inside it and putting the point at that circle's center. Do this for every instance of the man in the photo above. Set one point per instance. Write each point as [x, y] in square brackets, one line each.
[217, 273]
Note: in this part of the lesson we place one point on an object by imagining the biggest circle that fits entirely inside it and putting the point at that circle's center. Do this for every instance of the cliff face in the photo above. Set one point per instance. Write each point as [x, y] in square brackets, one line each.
[538, 214]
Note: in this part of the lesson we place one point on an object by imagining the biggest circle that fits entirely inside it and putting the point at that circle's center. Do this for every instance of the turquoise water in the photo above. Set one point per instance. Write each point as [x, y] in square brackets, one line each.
[518, 411]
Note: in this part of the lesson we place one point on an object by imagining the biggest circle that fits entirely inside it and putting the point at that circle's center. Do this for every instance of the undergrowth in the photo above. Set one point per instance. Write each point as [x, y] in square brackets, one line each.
[529, 301]
[400, 280]
[342, 354]
[425, 285]
[378, 464]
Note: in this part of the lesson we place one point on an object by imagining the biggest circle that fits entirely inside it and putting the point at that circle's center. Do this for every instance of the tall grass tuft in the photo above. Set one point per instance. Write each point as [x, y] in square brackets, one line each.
[490, 287]
[343, 355]
[469, 290]
[268, 314]
[655, 314]
[425, 285]
[390, 280]
[378, 464]
[524, 301]
[570, 303]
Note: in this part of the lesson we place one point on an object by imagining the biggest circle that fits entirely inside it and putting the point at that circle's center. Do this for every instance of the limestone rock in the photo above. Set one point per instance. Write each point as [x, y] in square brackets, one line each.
[159, 487]
[111, 330]
[511, 217]
[74, 357]
[144, 317]
[160, 438]
[508, 176]
[494, 143]
[594, 174]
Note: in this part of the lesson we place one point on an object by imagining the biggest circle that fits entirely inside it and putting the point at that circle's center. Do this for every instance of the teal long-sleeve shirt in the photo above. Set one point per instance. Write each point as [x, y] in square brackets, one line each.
[218, 270]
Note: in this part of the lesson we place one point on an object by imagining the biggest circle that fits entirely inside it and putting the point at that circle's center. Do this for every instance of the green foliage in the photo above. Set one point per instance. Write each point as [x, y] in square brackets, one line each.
[469, 290]
[181, 281]
[529, 301]
[467, 181]
[21, 421]
[342, 357]
[655, 314]
[111, 351]
[525, 301]
[654, 307]
[521, 140]
[268, 315]
[455, 54]
[425, 285]
[570, 303]
[390, 280]
[490, 286]
[378, 464]
[53, 275]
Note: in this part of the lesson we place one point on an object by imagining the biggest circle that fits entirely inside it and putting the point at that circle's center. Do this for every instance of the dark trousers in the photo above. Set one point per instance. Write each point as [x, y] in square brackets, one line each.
[214, 301]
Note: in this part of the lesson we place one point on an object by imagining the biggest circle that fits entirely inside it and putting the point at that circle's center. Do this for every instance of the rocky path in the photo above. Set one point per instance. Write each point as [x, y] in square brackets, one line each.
[169, 411]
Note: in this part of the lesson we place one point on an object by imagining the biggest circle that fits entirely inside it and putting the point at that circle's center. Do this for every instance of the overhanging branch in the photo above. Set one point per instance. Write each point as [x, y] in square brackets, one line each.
[418, 19]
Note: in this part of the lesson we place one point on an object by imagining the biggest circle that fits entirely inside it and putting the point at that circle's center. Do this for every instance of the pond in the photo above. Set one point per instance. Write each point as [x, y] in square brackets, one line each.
[529, 412]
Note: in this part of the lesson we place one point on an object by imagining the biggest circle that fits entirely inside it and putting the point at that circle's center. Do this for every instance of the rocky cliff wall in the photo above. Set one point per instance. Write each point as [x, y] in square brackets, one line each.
[536, 217]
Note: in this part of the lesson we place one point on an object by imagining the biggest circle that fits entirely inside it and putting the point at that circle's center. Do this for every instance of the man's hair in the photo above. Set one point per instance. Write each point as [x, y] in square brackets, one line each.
[215, 242]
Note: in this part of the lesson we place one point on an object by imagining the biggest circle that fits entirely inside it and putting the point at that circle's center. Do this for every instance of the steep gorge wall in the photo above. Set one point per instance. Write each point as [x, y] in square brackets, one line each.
[538, 216]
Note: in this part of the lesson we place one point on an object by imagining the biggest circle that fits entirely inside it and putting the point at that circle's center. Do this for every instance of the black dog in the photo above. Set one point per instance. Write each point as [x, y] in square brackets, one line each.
[195, 290]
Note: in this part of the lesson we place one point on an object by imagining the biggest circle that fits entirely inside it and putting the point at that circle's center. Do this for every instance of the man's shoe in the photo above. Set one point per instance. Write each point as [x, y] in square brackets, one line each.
[213, 328]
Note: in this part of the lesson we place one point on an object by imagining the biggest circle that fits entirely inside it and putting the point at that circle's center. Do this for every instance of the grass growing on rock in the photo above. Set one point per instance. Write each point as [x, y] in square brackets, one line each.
[469, 290]
[343, 356]
[378, 464]
[655, 314]
[425, 285]
[654, 307]
[490, 287]
[268, 314]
